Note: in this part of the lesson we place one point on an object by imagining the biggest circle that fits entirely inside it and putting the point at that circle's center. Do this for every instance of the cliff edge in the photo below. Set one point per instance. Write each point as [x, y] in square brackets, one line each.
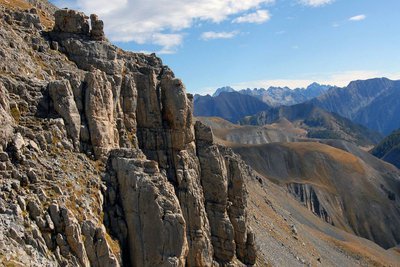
[101, 164]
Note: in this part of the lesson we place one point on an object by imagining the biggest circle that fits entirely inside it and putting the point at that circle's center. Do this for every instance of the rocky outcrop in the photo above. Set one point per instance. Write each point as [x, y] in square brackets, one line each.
[6, 119]
[99, 111]
[71, 21]
[223, 178]
[215, 185]
[238, 173]
[97, 32]
[155, 233]
[132, 120]
[64, 104]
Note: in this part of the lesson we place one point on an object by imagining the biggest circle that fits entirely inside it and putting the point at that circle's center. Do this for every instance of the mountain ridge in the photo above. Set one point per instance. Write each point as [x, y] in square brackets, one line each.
[231, 106]
[389, 149]
[317, 122]
[276, 96]
[368, 102]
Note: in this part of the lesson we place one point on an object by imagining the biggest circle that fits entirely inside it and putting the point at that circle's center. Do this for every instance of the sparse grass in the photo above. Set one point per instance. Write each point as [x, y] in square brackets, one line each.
[338, 155]
[114, 245]
[15, 113]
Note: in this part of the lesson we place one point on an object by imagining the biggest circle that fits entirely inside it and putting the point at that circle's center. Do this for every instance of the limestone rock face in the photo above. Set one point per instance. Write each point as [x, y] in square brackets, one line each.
[238, 172]
[64, 103]
[71, 21]
[97, 32]
[154, 220]
[97, 248]
[99, 112]
[223, 177]
[147, 189]
[215, 186]
[6, 120]
[165, 134]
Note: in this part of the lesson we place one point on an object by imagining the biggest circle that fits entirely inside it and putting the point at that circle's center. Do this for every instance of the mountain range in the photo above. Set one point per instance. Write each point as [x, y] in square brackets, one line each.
[231, 106]
[277, 96]
[373, 103]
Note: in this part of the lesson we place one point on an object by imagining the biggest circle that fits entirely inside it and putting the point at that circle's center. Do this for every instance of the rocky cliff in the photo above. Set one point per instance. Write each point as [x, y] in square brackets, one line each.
[101, 164]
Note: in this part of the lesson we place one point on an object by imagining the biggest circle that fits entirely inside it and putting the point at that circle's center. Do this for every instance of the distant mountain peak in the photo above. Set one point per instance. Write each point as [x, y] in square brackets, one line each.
[223, 89]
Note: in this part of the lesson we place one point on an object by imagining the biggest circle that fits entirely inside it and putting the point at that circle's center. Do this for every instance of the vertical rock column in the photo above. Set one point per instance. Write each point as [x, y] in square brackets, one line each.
[215, 187]
[64, 104]
[184, 170]
[165, 134]
[156, 229]
[237, 193]
[99, 110]
[6, 120]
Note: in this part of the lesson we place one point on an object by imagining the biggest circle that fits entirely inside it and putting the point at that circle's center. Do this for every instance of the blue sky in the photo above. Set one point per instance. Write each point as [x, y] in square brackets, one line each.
[258, 43]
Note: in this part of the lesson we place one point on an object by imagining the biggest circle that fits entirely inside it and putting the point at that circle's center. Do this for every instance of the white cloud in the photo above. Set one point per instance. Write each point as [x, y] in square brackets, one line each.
[218, 35]
[258, 17]
[358, 17]
[142, 21]
[339, 79]
[316, 3]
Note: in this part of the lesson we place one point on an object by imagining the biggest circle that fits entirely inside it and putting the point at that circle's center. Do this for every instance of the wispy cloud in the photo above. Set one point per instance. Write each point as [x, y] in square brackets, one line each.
[316, 3]
[218, 35]
[260, 16]
[358, 17]
[144, 21]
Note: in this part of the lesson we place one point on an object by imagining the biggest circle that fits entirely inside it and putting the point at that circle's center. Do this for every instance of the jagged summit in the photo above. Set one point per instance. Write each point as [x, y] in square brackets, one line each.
[223, 89]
